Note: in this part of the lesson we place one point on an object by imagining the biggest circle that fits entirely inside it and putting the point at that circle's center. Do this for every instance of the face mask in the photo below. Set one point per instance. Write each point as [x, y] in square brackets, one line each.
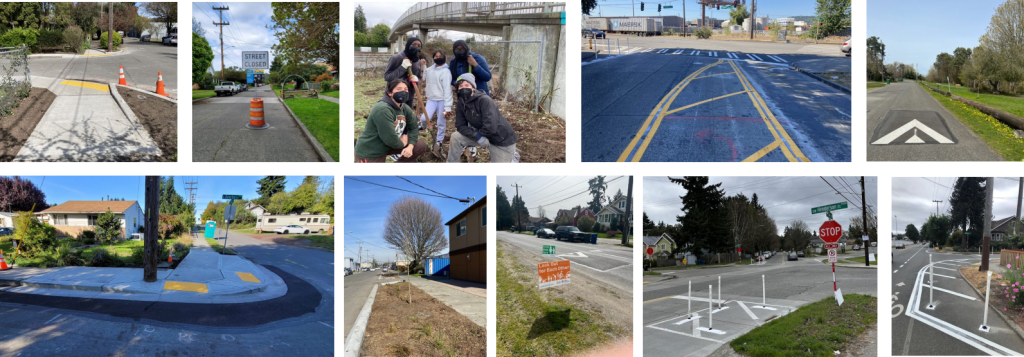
[439, 61]
[461, 54]
[400, 97]
[414, 49]
[465, 93]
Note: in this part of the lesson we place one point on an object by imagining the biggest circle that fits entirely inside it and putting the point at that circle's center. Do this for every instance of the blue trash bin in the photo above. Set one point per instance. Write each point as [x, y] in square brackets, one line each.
[593, 238]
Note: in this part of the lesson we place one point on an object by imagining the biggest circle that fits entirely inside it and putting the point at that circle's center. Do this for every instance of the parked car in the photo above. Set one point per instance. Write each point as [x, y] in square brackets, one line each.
[245, 86]
[590, 32]
[792, 256]
[227, 88]
[291, 228]
[348, 271]
[173, 40]
[545, 233]
[6, 231]
[846, 47]
[900, 246]
[856, 247]
[144, 38]
[800, 254]
[571, 233]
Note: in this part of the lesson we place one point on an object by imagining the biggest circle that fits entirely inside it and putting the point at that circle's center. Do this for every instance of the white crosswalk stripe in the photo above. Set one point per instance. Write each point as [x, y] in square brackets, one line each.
[733, 55]
[758, 58]
[748, 55]
[677, 52]
[663, 51]
[692, 52]
[776, 58]
[715, 54]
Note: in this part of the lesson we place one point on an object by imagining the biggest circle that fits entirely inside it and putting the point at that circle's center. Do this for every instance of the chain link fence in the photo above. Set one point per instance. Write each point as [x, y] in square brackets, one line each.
[15, 80]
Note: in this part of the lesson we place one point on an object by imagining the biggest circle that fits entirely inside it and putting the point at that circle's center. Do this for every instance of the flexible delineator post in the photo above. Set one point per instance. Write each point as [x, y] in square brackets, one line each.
[988, 286]
[710, 302]
[719, 292]
[764, 293]
[689, 286]
[931, 281]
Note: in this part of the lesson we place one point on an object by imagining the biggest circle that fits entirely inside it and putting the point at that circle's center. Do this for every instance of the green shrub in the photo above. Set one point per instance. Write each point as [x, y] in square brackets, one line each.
[86, 234]
[65, 256]
[104, 257]
[50, 39]
[137, 258]
[109, 227]
[74, 38]
[181, 249]
[38, 237]
[117, 40]
[19, 36]
[703, 33]
[585, 224]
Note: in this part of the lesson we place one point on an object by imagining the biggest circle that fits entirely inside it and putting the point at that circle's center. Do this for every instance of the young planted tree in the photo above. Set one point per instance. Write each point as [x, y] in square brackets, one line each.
[108, 227]
[414, 227]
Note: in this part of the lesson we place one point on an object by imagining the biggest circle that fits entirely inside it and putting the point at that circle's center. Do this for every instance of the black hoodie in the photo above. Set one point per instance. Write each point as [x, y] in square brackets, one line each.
[394, 69]
[479, 114]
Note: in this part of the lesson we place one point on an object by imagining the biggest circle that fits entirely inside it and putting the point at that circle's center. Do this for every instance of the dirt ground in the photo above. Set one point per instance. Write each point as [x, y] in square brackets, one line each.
[541, 136]
[593, 295]
[18, 126]
[427, 327]
[159, 117]
[998, 301]
[277, 239]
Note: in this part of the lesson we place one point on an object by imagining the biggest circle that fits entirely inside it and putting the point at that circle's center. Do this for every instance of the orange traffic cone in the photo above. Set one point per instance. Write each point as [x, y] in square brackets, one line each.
[170, 257]
[160, 84]
[3, 262]
[121, 80]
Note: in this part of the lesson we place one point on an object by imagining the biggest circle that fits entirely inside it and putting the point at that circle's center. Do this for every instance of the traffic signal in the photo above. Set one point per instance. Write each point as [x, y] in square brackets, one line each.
[659, 7]
[641, 6]
[718, 7]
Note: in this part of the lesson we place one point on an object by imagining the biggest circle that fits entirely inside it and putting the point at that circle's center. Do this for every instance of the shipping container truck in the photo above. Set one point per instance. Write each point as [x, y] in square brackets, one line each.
[599, 23]
[637, 26]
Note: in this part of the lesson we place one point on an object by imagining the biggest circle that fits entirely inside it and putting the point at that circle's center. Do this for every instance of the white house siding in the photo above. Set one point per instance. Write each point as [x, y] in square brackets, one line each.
[133, 218]
[6, 219]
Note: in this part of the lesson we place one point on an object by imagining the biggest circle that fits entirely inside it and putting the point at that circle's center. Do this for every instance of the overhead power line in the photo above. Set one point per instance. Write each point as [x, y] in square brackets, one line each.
[404, 190]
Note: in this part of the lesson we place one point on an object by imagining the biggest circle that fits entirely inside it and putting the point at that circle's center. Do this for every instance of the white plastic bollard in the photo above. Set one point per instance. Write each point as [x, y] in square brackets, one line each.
[931, 283]
[764, 293]
[689, 287]
[617, 46]
[719, 292]
[988, 286]
[710, 306]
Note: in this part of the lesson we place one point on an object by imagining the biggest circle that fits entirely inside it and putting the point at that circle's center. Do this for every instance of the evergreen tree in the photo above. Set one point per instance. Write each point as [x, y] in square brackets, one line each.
[704, 224]
[504, 210]
[597, 188]
[967, 207]
[360, 20]
[912, 233]
[306, 195]
[268, 187]
[520, 213]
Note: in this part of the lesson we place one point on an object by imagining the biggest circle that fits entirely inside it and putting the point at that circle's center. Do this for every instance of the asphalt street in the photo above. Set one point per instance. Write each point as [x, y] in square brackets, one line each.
[952, 327]
[606, 261]
[749, 301]
[219, 132]
[937, 135]
[714, 101]
[30, 330]
[141, 60]
[357, 290]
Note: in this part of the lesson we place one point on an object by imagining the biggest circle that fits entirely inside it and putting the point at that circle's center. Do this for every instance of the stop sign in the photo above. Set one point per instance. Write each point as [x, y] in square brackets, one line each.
[650, 251]
[830, 231]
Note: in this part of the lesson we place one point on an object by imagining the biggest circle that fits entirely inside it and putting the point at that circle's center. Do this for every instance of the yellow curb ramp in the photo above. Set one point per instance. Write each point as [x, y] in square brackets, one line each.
[247, 277]
[184, 286]
[96, 86]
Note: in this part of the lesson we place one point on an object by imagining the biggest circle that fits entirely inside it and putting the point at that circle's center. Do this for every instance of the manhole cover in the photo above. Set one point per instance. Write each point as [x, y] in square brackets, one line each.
[910, 127]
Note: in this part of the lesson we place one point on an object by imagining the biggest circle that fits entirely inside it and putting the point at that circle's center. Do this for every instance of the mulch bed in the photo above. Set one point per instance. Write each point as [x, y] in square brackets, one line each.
[541, 136]
[159, 117]
[16, 128]
[427, 327]
[998, 298]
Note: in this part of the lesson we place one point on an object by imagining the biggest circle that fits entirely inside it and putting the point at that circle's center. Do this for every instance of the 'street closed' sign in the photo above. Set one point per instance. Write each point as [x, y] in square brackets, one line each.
[255, 59]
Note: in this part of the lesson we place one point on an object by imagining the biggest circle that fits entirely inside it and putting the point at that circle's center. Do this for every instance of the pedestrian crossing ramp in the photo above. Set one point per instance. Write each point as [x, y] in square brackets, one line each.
[711, 54]
[697, 326]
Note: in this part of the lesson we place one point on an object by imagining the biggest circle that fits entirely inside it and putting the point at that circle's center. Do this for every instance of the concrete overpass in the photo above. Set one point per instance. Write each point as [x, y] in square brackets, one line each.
[517, 24]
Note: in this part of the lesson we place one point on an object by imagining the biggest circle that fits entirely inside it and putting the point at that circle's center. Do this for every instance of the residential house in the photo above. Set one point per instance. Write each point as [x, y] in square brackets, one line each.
[663, 246]
[255, 209]
[1001, 229]
[7, 219]
[467, 243]
[538, 223]
[613, 212]
[569, 214]
[581, 213]
[72, 217]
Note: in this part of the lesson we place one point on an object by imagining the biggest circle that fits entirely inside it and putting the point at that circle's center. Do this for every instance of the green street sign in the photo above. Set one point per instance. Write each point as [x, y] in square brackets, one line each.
[667, 7]
[232, 197]
[549, 250]
[829, 208]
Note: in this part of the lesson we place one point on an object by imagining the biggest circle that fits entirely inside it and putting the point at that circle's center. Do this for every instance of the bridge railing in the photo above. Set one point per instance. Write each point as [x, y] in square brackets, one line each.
[462, 10]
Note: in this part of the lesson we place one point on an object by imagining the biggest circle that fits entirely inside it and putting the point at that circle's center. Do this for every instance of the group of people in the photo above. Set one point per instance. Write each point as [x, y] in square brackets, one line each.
[391, 131]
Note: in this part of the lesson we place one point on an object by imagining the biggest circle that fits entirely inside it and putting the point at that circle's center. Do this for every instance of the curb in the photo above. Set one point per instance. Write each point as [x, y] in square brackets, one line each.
[1013, 325]
[122, 104]
[354, 341]
[826, 81]
[173, 101]
[324, 156]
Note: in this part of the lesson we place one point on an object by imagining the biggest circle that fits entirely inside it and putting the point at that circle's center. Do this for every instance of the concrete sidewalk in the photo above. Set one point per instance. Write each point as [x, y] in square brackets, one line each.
[84, 123]
[203, 277]
[455, 295]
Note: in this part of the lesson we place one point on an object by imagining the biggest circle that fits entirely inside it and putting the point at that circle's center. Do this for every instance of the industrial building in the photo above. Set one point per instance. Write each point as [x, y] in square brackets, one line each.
[467, 243]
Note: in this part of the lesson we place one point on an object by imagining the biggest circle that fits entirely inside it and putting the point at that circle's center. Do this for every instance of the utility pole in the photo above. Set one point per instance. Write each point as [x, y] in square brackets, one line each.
[150, 250]
[936, 207]
[110, 27]
[519, 219]
[221, 24]
[685, 25]
[987, 226]
[753, 7]
[634, 6]
[629, 213]
[864, 217]
[190, 186]
[360, 256]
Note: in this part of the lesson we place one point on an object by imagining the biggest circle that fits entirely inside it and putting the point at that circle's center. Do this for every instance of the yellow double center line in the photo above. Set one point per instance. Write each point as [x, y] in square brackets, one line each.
[789, 148]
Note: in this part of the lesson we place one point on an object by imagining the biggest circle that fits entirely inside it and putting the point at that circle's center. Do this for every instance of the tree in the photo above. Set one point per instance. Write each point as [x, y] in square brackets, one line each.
[597, 188]
[379, 35]
[520, 213]
[36, 236]
[84, 14]
[1004, 38]
[738, 14]
[912, 233]
[360, 22]
[20, 14]
[649, 225]
[704, 224]
[164, 12]
[108, 227]
[280, 203]
[306, 195]
[325, 205]
[306, 32]
[876, 57]
[210, 212]
[414, 227]
[268, 187]
[202, 58]
[967, 207]
[197, 28]
[797, 236]
[124, 15]
[17, 194]
[836, 14]
[937, 230]
[505, 217]
[856, 228]
[588, 6]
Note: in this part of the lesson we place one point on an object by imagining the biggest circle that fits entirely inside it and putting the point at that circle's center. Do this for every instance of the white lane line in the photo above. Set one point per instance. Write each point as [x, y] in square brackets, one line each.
[950, 292]
[744, 306]
[714, 54]
[685, 334]
[945, 276]
[944, 268]
[51, 320]
[325, 324]
[894, 271]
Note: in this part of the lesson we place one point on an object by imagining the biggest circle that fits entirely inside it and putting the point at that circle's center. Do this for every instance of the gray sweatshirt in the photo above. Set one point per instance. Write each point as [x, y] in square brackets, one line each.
[438, 84]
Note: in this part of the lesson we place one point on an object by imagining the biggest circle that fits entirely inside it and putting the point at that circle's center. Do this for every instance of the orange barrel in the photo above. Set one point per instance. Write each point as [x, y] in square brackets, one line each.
[256, 113]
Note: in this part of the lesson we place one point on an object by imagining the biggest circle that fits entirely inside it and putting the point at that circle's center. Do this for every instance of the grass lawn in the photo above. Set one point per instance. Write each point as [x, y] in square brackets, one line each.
[860, 260]
[1010, 104]
[322, 241]
[994, 132]
[252, 231]
[321, 118]
[334, 94]
[122, 248]
[874, 85]
[617, 236]
[217, 247]
[533, 323]
[203, 93]
[817, 329]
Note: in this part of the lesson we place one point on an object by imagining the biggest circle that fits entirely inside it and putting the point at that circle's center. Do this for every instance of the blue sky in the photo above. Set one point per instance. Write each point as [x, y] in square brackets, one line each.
[773, 9]
[247, 32]
[366, 206]
[916, 31]
[59, 189]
